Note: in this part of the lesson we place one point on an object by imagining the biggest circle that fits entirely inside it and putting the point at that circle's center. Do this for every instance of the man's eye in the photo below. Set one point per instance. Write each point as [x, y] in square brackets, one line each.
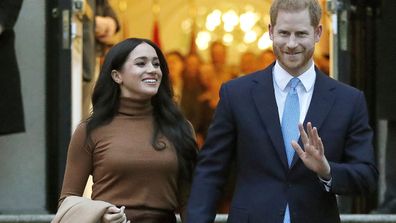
[283, 33]
[140, 64]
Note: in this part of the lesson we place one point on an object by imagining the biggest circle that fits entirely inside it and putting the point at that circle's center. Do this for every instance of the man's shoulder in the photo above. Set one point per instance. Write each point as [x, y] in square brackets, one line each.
[248, 79]
[337, 85]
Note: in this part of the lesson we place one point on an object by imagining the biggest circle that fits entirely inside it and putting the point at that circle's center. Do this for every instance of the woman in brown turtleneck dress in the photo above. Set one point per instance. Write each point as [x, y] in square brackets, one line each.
[136, 144]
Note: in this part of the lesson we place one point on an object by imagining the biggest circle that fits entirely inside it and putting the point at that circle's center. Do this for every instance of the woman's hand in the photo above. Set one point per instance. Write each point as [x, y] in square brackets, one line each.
[115, 215]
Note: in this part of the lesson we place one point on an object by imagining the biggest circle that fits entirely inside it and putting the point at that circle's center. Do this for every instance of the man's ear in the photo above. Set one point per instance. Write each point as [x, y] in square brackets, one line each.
[318, 32]
[271, 31]
[116, 76]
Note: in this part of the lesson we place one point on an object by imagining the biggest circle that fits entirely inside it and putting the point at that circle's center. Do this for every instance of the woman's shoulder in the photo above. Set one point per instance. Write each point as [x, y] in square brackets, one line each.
[79, 137]
[81, 128]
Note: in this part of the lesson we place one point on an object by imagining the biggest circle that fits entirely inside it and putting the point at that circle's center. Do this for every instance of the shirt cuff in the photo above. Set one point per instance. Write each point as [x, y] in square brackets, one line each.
[326, 183]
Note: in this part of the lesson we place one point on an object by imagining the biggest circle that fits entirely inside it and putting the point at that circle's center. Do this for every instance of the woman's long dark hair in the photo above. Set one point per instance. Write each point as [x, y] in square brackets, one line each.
[168, 119]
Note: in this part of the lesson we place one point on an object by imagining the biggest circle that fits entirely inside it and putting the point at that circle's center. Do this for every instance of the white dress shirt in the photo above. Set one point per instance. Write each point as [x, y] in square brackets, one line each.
[304, 88]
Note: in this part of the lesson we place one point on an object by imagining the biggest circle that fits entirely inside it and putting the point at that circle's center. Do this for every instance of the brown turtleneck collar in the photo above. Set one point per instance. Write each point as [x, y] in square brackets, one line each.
[133, 107]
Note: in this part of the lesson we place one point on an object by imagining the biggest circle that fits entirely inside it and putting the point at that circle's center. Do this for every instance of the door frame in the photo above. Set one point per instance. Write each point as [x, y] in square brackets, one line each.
[58, 95]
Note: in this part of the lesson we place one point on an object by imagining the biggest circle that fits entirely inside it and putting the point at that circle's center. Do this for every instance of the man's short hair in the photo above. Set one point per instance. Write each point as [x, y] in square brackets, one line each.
[315, 11]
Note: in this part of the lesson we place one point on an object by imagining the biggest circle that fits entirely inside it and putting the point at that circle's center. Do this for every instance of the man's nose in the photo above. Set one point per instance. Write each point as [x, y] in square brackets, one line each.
[292, 43]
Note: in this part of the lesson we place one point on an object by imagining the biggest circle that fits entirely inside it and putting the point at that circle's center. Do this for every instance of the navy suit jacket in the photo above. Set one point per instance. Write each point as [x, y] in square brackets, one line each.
[246, 126]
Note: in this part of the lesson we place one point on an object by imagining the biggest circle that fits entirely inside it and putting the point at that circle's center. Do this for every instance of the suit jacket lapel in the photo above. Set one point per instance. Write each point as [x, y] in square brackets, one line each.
[321, 103]
[264, 98]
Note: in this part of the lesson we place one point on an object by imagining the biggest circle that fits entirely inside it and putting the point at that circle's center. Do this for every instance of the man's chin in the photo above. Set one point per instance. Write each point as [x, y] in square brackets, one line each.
[293, 65]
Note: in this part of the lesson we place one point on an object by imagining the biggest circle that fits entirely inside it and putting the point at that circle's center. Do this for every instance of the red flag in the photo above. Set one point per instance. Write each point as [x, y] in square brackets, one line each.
[156, 33]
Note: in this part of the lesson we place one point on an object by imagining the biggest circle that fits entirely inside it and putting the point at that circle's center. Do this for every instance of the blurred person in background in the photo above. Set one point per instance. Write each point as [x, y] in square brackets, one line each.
[176, 67]
[218, 56]
[247, 63]
[100, 24]
[264, 59]
[192, 89]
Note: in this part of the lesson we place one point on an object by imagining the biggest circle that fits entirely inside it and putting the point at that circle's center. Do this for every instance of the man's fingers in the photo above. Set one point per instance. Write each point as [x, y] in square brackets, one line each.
[315, 137]
[320, 147]
[312, 143]
[303, 134]
[300, 152]
[309, 132]
[318, 142]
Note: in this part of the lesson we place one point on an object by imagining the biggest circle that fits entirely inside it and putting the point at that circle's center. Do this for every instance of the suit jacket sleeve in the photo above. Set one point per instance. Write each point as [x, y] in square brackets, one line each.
[357, 174]
[213, 164]
[9, 11]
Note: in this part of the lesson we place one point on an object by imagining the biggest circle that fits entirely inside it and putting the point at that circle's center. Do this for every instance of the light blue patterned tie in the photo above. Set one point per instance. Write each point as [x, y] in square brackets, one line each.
[290, 120]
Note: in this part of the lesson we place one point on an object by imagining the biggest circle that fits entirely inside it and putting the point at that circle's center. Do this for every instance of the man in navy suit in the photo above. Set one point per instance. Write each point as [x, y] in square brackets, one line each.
[331, 153]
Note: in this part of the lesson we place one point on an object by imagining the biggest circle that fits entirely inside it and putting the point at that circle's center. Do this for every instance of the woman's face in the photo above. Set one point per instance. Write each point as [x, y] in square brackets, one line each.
[140, 76]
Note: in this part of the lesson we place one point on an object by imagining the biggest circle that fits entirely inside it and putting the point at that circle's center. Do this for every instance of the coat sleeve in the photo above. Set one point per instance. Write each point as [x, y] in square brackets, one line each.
[213, 164]
[357, 174]
[9, 11]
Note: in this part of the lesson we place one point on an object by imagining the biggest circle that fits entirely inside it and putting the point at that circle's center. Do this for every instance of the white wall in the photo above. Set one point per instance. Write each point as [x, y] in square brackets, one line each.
[22, 156]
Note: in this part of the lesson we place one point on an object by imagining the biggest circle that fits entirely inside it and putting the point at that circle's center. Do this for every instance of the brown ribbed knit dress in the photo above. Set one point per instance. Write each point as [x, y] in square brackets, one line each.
[126, 169]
